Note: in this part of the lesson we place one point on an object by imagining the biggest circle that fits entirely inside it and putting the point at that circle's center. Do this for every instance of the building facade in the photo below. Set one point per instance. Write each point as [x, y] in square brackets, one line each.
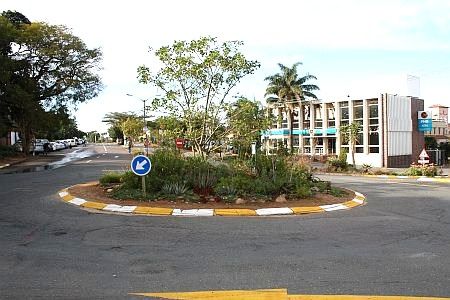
[440, 125]
[388, 136]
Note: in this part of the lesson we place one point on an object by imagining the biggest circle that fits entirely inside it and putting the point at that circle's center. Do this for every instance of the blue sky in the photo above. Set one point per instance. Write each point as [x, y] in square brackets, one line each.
[356, 48]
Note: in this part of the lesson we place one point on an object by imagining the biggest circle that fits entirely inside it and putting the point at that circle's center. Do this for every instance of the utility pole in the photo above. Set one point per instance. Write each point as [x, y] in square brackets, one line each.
[145, 124]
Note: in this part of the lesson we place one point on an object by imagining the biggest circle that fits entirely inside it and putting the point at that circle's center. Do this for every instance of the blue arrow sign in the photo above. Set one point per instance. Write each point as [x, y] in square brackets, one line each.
[141, 165]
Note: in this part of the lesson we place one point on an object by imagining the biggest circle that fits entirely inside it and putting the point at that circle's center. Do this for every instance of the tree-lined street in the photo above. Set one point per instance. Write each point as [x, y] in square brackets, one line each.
[396, 244]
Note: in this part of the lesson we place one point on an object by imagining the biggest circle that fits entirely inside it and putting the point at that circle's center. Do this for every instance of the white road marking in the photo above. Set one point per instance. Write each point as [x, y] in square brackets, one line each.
[88, 161]
[117, 156]
[104, 147]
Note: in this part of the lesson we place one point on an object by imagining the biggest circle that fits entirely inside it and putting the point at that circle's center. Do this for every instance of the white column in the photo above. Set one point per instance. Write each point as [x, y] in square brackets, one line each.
[312, 126]
[300, 127]
[365, 127]
[337, 120]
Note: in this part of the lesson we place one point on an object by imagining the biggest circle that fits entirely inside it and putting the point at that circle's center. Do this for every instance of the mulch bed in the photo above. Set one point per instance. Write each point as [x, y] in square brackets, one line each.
[95, 192]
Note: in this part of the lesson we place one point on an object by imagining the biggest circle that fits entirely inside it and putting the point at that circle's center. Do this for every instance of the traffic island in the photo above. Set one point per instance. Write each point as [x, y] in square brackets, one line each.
[93, 197]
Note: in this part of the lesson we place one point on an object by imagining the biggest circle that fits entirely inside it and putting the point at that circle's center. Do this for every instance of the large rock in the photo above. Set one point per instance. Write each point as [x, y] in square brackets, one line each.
[240, 201]
[281, 198]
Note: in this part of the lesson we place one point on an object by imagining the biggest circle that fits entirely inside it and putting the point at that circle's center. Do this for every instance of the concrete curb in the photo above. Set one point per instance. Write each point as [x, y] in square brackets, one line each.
[442, 179]
[64, 194]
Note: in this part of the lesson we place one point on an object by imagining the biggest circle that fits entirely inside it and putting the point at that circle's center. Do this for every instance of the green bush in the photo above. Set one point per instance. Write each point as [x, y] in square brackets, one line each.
[422, 170]
[303, 191]
[337, 192]
[337, 164]
[267, 176]
[130, 181]
[112, 177]
[174, 188]
[6, 151]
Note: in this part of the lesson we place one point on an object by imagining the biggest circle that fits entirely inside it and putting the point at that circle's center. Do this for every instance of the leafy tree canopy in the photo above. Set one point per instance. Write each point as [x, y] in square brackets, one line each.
[196, 78]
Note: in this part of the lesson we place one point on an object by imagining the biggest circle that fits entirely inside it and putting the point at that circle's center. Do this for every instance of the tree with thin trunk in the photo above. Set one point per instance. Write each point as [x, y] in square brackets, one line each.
[196, 79]
[288, 89]
[350, 134]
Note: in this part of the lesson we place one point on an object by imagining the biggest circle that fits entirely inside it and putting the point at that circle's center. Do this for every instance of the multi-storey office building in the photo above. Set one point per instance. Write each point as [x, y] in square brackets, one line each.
[388, 136]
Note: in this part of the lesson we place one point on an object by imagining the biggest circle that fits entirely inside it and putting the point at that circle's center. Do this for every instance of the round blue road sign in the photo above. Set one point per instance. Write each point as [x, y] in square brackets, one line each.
[141, 165]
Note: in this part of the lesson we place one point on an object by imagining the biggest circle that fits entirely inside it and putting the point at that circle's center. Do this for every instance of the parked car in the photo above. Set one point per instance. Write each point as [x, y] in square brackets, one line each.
[36, 146]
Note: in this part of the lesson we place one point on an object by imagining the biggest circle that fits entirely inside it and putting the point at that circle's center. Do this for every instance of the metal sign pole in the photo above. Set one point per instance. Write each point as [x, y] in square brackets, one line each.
[143, 186]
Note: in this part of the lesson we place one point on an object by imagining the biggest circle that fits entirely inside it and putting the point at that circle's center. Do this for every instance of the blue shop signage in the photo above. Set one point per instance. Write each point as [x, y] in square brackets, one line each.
[424, 121]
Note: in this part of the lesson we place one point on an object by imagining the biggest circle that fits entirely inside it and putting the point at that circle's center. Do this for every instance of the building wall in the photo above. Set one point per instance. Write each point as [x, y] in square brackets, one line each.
[404, 141]
[389, 134]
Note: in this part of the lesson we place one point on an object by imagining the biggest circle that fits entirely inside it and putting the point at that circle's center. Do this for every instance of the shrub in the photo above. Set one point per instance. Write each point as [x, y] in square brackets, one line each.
[6, 151]
[130, 181]
[200, 174]
[303, 191]
[337, 192]
[337, 164]
[422, 170]
[365, 168]
[174, 188]
[112, 177]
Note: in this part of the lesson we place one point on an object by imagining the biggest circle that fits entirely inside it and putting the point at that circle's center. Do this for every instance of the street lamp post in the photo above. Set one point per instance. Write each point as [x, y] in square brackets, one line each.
[145, 125]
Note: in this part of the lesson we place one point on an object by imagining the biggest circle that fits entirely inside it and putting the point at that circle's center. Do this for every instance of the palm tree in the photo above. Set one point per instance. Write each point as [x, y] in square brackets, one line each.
[350, 133]
[287, 89]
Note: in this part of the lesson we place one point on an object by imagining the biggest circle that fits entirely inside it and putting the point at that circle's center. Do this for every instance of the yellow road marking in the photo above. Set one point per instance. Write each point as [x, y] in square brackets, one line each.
[234, 212]
[307, 210]
[94, 205]
[351, 204]
[270, 294]
[67, 198]
[153, 210]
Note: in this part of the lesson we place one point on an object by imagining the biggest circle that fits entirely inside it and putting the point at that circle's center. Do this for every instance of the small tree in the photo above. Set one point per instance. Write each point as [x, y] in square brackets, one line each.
[350, 134]
[246, 120]
[196, 79]
[132, 127]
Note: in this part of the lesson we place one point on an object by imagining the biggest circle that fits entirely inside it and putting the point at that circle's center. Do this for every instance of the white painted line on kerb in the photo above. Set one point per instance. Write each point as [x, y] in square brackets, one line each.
[112, 207]
[117, 156]
[359, 194]
[425, 179]
[359, 201]
[77, 201]
[104, 147]
[333, 207]
[274, 211]
[63, 194]
[88, 161]
[203, 212]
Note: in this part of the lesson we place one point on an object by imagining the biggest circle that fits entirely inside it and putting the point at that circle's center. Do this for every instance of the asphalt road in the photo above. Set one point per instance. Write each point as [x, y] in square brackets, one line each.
[396, 244]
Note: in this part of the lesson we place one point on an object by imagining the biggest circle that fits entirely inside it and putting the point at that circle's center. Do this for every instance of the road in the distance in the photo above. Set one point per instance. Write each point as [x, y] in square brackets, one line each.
[396, 244]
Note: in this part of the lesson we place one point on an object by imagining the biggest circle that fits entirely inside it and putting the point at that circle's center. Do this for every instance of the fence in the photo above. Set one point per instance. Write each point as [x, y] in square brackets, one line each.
[438, 157]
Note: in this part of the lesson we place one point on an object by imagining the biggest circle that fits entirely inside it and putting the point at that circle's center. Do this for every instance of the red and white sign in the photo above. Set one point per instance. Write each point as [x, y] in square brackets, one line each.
[424, 158]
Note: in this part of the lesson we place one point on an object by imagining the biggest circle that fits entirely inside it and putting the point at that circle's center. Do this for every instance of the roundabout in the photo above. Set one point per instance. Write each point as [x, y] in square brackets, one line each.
[104, 205]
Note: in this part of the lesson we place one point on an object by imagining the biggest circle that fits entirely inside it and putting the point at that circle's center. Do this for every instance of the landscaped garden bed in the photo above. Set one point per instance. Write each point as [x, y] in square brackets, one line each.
[191, 182]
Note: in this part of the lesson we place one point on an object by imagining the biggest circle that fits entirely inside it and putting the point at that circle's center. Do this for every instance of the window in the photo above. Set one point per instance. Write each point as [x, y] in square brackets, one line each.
[284, 121]
[306, 117]
[330, 114]
[295, 119]
[343, 107]
[318, 117]
[358, 112]
[374, 132]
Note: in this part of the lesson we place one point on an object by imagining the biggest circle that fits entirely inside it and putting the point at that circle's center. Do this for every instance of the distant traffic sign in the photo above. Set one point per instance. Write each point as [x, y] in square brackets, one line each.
[141, 165]
[424, 158]
[424, 154]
